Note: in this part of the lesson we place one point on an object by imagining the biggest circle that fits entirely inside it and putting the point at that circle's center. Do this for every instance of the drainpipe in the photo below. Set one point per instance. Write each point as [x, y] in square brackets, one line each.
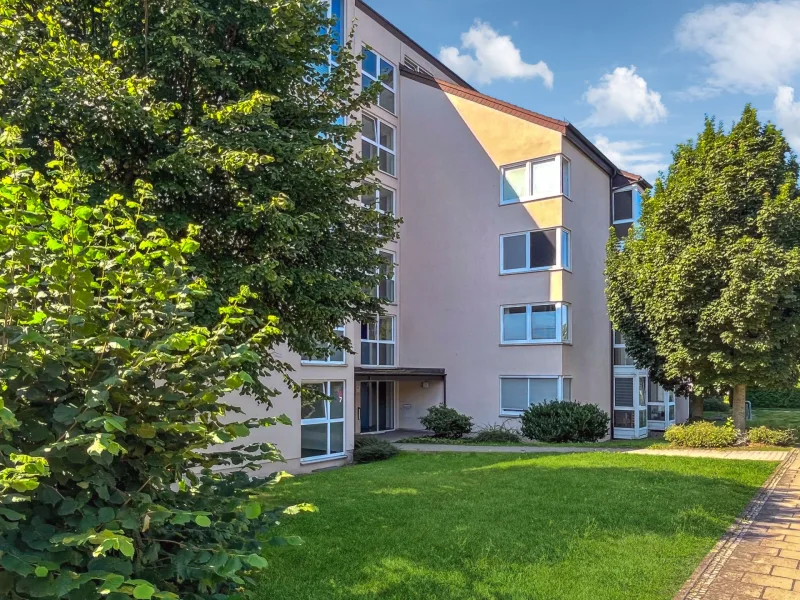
[444, 382]
[611, 329]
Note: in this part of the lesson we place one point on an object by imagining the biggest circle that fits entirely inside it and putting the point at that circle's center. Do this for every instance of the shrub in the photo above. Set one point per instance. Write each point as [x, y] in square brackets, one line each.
[498, 434]
[702, 434]
[715, 404]
[565, 422]
[774, 398]
[446, 422]
[771, 437]
[111, 406]
[368, 448]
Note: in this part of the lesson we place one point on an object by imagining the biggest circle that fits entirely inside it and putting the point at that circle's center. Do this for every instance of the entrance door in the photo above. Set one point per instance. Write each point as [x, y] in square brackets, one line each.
[630, 403]
[377, 410]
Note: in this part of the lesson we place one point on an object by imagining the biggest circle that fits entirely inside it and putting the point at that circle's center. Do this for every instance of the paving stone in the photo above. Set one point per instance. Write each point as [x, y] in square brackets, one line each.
[759, 555]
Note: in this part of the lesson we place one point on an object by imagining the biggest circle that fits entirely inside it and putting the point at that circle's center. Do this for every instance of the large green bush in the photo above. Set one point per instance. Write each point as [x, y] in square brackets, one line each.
[566, 421]
[446, 422]
[111, 410]
[772, 437]
[702, 434]
[774, 398]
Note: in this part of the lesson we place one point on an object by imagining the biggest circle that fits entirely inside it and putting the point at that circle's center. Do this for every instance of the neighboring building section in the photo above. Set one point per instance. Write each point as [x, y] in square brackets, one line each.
[495, 289]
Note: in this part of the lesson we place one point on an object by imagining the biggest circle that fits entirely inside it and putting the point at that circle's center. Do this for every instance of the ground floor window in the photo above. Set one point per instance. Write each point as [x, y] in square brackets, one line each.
[322, 421]
[517, 393]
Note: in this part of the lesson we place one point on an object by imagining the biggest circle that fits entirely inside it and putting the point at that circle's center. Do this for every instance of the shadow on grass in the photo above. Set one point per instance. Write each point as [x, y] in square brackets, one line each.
[501, 526]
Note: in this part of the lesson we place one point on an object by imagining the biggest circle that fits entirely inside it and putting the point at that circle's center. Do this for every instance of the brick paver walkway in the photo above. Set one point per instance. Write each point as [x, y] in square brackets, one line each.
[759, 556]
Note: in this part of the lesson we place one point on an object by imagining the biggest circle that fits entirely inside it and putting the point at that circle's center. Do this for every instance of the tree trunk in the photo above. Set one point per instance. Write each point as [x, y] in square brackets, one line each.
[737, 404]
[697, 408]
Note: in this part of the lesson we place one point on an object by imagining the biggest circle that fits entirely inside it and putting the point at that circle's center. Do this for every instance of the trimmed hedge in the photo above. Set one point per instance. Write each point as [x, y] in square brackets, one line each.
[716, 405]
[774, 398]
[556, 422]
[702, 434]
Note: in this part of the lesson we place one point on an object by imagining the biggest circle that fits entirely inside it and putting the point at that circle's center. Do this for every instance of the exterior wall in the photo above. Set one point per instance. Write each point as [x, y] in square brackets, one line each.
[368, 32]
[415, 401]
[452, 150]
[587, 215]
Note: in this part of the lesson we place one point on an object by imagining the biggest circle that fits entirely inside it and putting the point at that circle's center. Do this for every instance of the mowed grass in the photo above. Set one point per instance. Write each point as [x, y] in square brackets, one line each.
[469, 441]
[506, 527]
[776, 418]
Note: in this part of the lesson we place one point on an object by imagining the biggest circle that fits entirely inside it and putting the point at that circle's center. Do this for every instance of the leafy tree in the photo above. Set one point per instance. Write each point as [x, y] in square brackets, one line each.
[707, 288]
[229, 110]
[111, 410]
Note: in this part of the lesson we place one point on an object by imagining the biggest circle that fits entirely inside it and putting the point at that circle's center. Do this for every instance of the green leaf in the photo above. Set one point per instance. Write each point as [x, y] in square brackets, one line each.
[60, 221]
[259, 562]
[143, 591]
[126, 547]
[202, 521]
[253, 510]
[11, 515]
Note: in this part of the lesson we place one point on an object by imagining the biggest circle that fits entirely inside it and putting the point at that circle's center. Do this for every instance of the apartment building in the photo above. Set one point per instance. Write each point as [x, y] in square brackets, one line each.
[496, 300]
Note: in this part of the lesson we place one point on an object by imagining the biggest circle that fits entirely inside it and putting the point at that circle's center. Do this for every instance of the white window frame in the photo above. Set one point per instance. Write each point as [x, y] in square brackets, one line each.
[632, 221]
[378, 145]
[327, 361]
[393, 278]
[559, 339]
[560, 231]
[528, 197]
[518, 413]
[328, 420]
[376, 205]
[619, 346]
[392, 88]
[378, 342]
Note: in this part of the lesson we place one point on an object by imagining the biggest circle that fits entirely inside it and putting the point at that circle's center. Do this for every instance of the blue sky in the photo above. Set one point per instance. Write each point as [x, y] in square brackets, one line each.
[636, 76]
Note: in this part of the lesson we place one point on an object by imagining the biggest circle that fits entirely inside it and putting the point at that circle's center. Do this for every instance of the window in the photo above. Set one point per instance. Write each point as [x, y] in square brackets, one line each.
[626, 209]
[630, 405]
[518, 393]
[382, 200]
[375, 68]
[535, 324]
[535, 179]
[535, 250]
[336, 11]
[327, 355]
[377, 342]
[621, 358]
[386, 288]
[377, 139]
[322, 422]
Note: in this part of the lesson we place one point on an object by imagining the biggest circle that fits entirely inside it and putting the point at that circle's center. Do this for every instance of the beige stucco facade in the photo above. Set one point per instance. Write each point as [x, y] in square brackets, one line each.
[450, 147]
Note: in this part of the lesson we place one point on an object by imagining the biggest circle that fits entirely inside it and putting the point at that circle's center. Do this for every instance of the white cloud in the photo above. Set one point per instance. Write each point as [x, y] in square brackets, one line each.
[633, 156]
[488, 56]
[624, 96]
[750, 47]
[787, 114]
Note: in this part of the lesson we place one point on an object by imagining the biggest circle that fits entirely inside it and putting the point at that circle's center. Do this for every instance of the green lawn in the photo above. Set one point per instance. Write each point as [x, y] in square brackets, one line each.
[506, 527]
[777, 418]
[466, 441]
